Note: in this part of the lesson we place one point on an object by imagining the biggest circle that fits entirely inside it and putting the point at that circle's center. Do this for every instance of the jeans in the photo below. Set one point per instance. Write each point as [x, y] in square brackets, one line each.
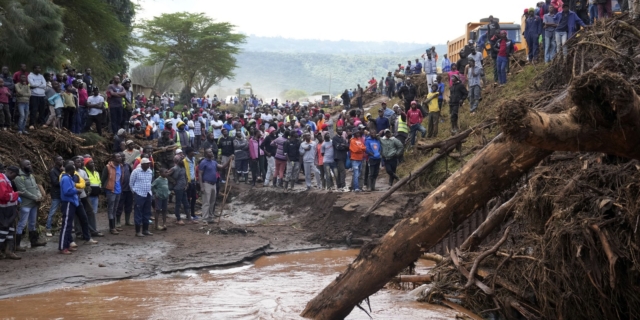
[5, 115]
[80, 120]
[255, 169]
[308, 168]
[94, 119]
[124, 204]
[453, 114]
[142, 211]
[502, 69]
[413, 129]
[116, 118]
[293, 171]
[328, 172]
[342, 173]
[181, 199]
[356, 166]
[23, 109]
[191, 197]
[475, 94]
[55, 204]
[359, 100]
[593, 13]
[94, 204]
[208, 201]
[37, 110]
[549, 48]
[112, 204]
[27, 214]
[561, 39]
[374, 170]
[271, 168]
[433, 120]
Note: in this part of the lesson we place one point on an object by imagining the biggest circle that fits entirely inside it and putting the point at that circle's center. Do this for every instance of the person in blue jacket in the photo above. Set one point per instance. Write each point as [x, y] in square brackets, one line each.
[566, 26]
[373, 149]
[532, 32]
[69, 203]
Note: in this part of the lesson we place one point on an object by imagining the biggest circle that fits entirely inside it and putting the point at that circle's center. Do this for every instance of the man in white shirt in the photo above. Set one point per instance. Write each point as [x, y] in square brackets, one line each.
[216, 125]
[95, 103]
[37, 104]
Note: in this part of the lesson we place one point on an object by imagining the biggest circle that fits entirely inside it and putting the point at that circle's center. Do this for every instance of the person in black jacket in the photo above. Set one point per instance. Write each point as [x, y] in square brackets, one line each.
[225, 145]
[270, 152]
[292, 152]
[54, 180]
[408, 93]
[346, 101]
[391, 85]
[457, 95]
[340, 148]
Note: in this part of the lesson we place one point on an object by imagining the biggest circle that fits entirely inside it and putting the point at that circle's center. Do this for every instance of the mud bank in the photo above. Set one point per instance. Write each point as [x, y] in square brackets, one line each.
[257, 221]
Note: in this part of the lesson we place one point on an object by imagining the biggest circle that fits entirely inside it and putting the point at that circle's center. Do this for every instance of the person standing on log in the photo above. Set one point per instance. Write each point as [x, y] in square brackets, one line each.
[549, 26]
[165, 143]
[503, 47]
[95, 104]
[431, 69]
[37, 105]
[415, 118]
[140, 183]
[9, 200]
[566, 26]
[433, 118]
[532, 32]
[408, 93]
[359, 96]
[115, 93]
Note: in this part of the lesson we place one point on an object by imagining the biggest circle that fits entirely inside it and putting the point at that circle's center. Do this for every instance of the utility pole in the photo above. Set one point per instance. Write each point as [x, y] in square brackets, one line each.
[329, 83]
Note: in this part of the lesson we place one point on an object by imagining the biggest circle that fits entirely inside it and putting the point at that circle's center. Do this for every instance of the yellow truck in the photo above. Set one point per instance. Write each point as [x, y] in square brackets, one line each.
[474, 30]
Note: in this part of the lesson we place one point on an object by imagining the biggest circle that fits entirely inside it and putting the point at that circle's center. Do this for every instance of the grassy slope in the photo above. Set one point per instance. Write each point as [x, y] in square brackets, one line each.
[492, 97]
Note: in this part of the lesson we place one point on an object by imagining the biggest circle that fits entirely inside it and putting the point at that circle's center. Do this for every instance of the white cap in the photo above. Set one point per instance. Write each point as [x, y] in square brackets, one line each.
[145, 160]
[178, 151]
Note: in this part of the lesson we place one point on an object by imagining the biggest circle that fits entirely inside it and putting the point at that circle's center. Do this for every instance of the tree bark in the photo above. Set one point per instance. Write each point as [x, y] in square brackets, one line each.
[606, 118]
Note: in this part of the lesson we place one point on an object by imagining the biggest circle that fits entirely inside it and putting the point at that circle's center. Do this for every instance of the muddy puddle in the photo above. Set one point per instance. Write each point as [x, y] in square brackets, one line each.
[273, 287]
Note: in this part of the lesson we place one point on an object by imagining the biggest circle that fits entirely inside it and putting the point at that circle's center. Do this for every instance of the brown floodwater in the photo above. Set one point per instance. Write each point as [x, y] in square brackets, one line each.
[273, 287]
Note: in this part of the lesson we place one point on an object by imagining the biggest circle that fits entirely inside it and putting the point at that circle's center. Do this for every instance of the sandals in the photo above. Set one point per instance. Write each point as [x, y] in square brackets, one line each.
[180, 223]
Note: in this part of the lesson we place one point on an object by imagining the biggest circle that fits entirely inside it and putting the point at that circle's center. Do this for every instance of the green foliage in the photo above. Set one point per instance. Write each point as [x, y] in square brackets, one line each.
[200, 51]
[30, 33]
[95, 37]
[91, 139]
[317, 93]
[294, 94]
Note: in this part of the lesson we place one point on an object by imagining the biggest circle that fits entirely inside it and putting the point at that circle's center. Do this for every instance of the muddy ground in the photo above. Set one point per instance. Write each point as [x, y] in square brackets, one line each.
[257, 221]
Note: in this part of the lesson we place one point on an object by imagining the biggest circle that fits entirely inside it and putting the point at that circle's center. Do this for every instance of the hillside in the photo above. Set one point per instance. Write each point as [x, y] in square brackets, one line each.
[273, 65]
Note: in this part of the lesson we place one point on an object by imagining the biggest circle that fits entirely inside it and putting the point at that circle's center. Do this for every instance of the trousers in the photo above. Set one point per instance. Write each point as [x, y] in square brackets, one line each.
[271, 170]
[142, 211]
[208, 201]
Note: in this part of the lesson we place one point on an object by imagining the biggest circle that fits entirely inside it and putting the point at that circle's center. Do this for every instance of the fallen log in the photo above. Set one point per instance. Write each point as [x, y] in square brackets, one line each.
[606, 118]
[427, 278]
[446, 146]
[432, 257]
[493, 169]
[494, 219]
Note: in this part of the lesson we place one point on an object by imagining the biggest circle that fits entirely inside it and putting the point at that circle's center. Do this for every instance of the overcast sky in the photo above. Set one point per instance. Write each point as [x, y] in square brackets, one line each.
[429, 21]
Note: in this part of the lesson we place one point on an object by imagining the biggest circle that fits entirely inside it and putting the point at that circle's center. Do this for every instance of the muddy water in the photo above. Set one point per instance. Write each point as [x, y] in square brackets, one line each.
[273, 287]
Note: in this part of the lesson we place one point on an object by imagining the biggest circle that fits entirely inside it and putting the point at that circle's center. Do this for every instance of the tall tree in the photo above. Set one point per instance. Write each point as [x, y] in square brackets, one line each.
[96, 34]
[30, 33]
[200, 51]
[146, 76]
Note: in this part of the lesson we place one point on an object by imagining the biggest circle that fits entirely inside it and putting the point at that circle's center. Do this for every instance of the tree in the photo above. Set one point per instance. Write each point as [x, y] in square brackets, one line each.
[95, 36]
[146, 76]
[30, 33]
[199, 50]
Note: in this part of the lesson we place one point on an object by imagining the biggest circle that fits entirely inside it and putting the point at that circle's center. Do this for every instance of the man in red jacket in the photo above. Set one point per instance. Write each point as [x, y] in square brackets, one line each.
[8, 212]
[414, 120]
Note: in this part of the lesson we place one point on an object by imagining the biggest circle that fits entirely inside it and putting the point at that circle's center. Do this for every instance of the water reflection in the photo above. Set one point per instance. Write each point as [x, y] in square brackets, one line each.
[274, 287]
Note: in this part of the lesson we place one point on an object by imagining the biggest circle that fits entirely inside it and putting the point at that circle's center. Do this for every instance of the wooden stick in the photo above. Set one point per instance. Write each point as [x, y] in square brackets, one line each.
[432, 257]
[495, 218]
[414, 278]
[226, 192]
[613, 257]
[485, 254]
[461, 309]
[465, 272]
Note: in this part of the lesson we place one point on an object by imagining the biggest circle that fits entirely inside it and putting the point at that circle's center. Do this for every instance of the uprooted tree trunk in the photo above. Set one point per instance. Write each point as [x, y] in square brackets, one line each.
[606, 118]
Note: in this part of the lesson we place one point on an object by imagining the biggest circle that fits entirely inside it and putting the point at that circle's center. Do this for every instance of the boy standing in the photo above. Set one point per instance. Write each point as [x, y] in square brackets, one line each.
[160, 188]
[434, 112]
[5, 114]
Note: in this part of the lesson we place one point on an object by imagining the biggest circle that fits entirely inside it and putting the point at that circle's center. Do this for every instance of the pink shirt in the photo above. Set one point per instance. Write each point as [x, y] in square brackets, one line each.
[4, 95]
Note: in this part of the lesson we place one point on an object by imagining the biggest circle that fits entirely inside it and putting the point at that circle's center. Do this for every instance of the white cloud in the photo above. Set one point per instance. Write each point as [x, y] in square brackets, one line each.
[428, 21]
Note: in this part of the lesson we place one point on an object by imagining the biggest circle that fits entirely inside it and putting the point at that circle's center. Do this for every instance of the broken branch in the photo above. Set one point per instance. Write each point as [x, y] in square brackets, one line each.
[485, 254]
